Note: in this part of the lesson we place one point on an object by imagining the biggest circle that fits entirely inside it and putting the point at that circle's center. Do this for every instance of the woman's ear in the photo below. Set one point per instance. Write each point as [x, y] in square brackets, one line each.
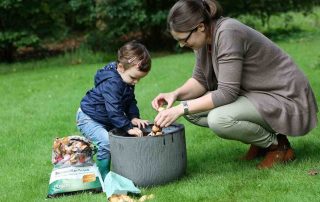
[201, 27]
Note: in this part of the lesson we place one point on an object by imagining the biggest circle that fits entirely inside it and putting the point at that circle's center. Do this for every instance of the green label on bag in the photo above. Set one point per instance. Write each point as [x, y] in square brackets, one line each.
[71, 179]
[63, 186]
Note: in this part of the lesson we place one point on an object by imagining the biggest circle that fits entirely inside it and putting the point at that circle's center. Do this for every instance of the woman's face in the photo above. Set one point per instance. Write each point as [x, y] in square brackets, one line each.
[194, 39]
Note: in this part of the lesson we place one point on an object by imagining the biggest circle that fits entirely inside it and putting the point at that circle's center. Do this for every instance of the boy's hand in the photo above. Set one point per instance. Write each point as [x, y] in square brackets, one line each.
[135, 131]
[139, 122]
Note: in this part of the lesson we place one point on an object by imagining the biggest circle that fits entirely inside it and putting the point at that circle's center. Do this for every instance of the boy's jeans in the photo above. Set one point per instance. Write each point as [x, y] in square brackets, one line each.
[95, 132]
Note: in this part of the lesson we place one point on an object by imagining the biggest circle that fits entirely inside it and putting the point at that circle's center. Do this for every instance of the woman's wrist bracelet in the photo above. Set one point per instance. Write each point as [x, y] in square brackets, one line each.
[185, 107]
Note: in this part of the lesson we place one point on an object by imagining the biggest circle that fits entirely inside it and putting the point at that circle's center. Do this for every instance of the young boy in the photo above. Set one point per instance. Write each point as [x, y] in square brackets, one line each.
[111, 102]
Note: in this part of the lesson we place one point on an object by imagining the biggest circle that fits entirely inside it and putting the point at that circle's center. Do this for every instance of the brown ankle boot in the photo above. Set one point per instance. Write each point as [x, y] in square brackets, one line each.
[289, 156]
[280, 153]
[254, 152]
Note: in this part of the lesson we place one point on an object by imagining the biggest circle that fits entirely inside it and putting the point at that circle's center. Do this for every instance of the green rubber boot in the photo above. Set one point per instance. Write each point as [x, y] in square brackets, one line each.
[104, 167]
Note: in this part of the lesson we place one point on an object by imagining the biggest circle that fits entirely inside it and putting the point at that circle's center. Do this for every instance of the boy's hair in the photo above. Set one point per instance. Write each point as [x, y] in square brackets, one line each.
[133, 53]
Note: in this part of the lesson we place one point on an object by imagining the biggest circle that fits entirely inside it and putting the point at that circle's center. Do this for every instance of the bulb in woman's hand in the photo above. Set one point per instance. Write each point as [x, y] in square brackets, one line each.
[155, 129]
[161, 109]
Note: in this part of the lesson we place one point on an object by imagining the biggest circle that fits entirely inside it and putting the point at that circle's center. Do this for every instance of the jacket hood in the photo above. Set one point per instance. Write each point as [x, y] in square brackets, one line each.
[105, 73]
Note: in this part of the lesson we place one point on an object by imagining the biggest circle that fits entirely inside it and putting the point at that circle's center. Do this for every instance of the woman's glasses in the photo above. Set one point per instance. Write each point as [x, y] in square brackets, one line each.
[185, 41]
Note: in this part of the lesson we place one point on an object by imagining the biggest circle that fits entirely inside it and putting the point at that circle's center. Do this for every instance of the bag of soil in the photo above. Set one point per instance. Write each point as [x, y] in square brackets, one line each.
[74, 168]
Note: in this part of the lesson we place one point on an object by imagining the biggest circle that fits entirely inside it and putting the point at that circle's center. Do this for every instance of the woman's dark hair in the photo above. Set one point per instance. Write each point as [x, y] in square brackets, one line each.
[133, 53]
[186, 15]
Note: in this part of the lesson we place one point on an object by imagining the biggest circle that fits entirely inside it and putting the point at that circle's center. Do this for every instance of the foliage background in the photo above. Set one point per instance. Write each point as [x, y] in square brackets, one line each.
[106, 24]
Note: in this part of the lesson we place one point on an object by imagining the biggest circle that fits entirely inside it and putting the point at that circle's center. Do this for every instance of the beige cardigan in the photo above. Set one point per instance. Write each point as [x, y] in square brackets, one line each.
[244, 62]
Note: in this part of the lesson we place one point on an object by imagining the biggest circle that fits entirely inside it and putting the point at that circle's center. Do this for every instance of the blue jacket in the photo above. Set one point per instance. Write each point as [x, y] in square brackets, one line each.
[111, 102]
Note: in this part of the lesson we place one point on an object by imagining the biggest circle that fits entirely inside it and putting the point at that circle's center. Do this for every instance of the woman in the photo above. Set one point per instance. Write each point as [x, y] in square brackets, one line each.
[243, 87]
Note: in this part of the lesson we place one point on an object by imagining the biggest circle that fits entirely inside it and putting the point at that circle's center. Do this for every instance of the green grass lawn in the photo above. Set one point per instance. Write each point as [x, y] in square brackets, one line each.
[39, 105]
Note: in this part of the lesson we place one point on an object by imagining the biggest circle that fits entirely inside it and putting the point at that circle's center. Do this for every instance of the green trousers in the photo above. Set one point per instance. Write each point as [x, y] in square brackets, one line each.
[237, 121]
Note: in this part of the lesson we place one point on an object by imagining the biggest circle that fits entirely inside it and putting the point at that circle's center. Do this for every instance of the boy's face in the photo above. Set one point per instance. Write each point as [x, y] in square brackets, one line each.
[132, 75]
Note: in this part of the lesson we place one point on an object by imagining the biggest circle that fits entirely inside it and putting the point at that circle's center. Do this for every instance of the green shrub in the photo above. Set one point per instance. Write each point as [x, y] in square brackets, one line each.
[121, 21]
[32, 22]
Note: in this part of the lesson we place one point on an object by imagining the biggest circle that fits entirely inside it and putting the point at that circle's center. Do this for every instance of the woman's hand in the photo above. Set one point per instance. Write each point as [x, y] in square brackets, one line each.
[139, 122]
[168, 116]
[135, 131]
[164, 98]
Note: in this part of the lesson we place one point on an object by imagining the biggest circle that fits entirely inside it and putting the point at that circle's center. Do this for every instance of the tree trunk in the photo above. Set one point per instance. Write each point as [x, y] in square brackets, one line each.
[7, 54]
